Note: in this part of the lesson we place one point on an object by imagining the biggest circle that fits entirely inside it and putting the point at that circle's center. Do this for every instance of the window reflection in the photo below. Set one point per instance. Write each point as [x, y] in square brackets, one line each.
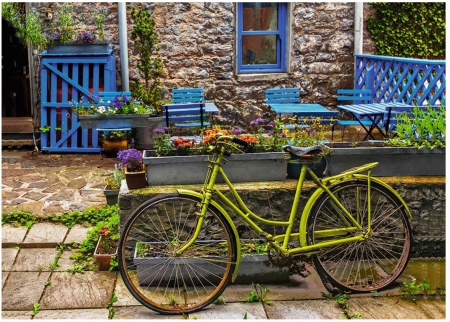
[259, 50]
[260, 16]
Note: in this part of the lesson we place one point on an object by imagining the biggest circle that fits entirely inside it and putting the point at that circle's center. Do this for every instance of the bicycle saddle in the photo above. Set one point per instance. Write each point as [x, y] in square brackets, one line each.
[299, 151]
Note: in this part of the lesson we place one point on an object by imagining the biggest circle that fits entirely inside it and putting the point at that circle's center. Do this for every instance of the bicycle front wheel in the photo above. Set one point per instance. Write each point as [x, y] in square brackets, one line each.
[152, 270]
[371, 264]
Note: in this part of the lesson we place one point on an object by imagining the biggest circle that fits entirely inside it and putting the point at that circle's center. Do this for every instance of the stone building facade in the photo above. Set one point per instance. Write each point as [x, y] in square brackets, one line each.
[198, 48]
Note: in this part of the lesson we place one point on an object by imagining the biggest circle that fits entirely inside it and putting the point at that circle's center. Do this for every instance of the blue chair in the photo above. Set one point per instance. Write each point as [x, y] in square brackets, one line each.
[188, 95]
[355, 96]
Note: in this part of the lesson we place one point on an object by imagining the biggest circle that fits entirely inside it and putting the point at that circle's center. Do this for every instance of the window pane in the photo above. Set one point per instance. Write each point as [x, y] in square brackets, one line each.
[259, 50]
[260, 15]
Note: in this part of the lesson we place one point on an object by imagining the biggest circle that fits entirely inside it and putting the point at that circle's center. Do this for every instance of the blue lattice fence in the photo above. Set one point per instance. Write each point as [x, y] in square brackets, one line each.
[68, 77]
[406, 80]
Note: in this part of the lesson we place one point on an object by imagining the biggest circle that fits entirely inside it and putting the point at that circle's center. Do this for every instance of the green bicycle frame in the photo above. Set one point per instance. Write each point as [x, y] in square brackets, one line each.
[280, 242]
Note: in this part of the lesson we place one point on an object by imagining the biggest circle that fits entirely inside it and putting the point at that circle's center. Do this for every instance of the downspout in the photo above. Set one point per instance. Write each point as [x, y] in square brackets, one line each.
[358, 33]
[358, 46]
[123, 43]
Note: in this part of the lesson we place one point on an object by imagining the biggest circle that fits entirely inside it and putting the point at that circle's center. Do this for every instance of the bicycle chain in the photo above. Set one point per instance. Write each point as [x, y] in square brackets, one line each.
[298, 267]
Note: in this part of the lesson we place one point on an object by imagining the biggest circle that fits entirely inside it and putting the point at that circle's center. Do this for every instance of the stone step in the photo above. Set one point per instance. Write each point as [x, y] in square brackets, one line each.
[17, 125]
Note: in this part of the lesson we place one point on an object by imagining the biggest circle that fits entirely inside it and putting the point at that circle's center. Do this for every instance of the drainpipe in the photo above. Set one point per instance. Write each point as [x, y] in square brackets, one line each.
[358, 47]
[123, 43]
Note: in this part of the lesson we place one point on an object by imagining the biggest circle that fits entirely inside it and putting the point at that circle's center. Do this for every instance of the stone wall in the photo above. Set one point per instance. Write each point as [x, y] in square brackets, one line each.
[198, 49]
[425, 196]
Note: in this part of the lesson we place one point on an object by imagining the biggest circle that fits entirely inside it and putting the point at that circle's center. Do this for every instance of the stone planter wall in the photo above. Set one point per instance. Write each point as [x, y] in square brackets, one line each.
[425, 197]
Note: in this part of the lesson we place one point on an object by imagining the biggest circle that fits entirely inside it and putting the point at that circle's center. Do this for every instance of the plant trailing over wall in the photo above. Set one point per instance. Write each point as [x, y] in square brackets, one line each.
[409, 29]
[27, 25]
[150, 66]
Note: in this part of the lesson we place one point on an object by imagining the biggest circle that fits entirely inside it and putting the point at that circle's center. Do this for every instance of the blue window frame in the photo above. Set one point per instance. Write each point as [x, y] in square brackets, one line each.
[261, 37]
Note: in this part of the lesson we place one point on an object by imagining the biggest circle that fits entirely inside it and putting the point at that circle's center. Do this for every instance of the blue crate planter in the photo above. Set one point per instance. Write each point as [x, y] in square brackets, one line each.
[117, 121]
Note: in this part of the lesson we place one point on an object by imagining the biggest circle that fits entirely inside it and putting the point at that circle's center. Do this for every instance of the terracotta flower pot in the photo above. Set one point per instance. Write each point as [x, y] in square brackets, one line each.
[103, 259]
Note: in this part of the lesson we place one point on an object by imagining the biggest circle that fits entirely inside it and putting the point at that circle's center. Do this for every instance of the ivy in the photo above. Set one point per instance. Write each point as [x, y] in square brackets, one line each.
[408, 29]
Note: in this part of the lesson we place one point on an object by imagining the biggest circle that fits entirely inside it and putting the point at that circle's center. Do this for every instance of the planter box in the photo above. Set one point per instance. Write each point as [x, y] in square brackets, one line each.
[253, 269]
[114, 121]
[74, 48]
[249, 167]
[103, 260]
[393, 161]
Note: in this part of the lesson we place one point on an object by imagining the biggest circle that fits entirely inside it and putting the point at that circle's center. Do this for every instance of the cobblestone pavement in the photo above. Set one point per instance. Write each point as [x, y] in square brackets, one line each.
[51, 184]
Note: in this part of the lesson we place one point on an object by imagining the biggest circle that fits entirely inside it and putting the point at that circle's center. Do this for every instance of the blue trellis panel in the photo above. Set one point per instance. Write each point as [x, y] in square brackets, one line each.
[66, 78]
[407, 80]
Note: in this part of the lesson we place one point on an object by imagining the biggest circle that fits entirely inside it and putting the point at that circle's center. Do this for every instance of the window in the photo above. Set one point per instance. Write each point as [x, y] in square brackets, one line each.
[261, 45]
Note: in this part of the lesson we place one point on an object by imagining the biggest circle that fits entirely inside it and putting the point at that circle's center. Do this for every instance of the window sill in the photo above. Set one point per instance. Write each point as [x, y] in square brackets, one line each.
[261, 77]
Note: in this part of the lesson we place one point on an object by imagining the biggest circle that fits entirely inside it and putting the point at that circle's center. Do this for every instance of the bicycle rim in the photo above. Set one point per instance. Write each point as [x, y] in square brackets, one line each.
[159, 278]
[371, 264]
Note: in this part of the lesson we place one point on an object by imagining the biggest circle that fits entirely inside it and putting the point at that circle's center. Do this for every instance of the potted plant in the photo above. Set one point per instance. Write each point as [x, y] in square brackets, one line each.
[131, 162]
[113, 142]
[107, 244]
[112, 186]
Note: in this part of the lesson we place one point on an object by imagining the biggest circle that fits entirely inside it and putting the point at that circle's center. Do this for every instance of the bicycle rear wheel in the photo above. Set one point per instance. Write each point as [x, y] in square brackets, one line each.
[159, 278]
[371, 264]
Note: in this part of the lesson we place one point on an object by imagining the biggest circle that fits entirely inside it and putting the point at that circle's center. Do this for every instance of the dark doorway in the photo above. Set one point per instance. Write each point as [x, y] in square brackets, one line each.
[15, 75]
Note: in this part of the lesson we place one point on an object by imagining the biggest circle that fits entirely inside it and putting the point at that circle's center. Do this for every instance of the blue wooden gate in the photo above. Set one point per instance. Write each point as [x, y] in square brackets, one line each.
[66, 78]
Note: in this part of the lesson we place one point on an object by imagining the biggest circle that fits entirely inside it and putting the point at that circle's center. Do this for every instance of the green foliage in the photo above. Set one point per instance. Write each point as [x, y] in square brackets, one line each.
[258, 294]
[411, 289]
[36, 308]
[27, 25]
[114, 180]
[150, 66]
[409, 29]
[424, 129]
[19, 218]
[111, 307]
[220, 301]
[90, 216]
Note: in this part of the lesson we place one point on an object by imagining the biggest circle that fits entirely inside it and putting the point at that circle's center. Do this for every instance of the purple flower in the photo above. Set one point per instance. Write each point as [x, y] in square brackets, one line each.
[270, 133]
[272, 123]
[161, 131]
[130, 159]
[237, 131]
[252, 123]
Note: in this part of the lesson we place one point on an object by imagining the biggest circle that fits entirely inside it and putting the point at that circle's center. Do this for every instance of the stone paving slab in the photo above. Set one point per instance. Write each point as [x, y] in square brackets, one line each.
[64, 261]
[304, 310]
[434, 308]
[77, 234]
[46, 233]
[310, 287]
[11, 234]
[23, 289]
[232, 311]
[81, 314]
[16, 315]
[385, 308]
[8, 258]
[124, 297]
[141, 312]
[77, 291]
[35, 259]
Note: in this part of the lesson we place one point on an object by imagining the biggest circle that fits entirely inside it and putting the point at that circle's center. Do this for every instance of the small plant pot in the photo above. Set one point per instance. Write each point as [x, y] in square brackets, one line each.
[103, 259]
[136, 180]
[111, 147]
[112, 196]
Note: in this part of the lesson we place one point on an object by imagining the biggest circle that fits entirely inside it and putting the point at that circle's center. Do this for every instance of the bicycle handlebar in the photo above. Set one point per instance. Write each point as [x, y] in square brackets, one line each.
[232, 139]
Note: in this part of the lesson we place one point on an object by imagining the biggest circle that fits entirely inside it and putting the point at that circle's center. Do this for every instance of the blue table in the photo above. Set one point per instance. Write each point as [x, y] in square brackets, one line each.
[303, 110]
[373, 112]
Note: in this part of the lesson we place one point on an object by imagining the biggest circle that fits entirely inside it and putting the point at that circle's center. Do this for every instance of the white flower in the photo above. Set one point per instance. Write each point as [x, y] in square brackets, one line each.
[101, 109]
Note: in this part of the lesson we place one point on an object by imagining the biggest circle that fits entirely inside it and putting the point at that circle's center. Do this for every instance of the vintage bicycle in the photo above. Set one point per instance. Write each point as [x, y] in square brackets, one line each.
[178, 252]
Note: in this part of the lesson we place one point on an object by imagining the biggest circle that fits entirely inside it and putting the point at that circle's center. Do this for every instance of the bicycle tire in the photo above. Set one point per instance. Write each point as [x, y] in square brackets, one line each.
[368, 265]
[155, 275]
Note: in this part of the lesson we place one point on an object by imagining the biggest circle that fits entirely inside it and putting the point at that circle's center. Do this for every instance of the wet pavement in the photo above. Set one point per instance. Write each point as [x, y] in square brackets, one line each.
[52, 184]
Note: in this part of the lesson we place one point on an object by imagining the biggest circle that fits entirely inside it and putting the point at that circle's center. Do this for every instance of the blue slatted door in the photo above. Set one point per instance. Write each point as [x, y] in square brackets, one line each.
[64, 79]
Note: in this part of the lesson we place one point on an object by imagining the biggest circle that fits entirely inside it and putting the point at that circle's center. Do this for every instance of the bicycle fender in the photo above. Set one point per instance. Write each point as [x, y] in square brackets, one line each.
[230, 221]
[384, 184]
